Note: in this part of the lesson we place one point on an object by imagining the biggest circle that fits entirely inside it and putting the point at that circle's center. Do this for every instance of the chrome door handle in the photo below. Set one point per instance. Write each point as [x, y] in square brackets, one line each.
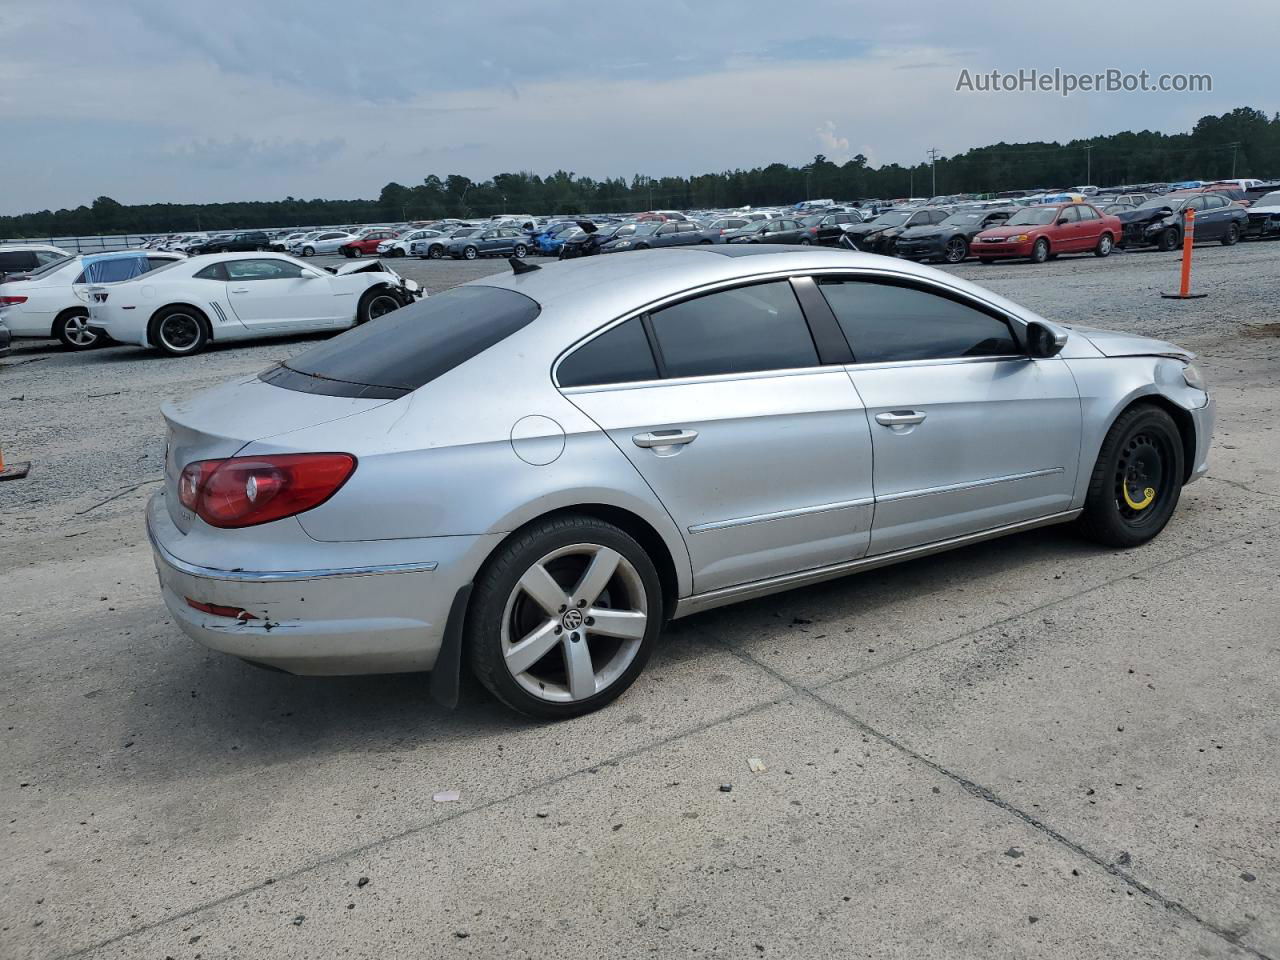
[665, 438]
[898, 418]
[240, 290]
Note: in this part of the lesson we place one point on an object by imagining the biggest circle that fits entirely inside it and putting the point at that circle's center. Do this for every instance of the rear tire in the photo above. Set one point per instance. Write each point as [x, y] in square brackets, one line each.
[72, 329]
[435, 252]
[179, 331]
[570, 665]
[1136, 480]
[1105, 245]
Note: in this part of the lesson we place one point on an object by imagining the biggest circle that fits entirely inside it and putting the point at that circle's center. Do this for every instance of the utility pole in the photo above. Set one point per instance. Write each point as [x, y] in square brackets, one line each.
[933, 164]
[1088, 163]
[911, 184]
[1234, 144]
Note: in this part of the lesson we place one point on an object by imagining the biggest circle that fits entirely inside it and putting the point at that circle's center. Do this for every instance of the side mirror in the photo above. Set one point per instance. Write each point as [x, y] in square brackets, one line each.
[1043, 343]
[1062, 221]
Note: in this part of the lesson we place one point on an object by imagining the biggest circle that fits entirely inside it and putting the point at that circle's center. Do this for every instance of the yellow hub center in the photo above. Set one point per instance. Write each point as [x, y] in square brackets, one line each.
[1148, 495]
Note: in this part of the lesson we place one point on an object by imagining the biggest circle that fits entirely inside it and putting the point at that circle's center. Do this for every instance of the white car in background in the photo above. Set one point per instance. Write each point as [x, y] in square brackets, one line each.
[22, 258]
[400, 246]
[239, 296]
[53, 302]
[323, 241]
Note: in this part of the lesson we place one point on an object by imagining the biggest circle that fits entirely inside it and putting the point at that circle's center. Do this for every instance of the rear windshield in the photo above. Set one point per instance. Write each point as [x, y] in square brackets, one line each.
[402, 350]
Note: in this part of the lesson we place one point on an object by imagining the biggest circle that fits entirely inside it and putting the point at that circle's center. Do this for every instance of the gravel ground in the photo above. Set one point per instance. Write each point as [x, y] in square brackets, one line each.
[1030, 748]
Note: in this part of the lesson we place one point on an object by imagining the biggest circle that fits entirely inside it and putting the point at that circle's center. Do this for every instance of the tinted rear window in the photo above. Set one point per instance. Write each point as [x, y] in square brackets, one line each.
[402, 350]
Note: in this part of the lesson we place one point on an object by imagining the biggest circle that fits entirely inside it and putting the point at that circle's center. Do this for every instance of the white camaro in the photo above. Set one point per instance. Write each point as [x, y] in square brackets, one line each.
[53, 301]
[178, 309]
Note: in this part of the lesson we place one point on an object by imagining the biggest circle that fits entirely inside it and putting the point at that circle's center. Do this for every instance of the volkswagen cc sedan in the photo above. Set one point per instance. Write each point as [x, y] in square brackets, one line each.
[532, 472]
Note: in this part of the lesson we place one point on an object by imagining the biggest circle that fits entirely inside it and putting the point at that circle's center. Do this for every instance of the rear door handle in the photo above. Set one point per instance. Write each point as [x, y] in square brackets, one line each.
[665, 438]
[898, 418]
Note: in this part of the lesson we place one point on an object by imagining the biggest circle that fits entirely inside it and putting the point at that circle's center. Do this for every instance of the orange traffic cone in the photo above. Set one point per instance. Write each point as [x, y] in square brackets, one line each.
[13, 471]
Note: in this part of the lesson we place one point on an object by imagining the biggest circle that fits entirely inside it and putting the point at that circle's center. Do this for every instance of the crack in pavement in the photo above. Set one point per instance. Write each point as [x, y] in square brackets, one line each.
[1242, 486]
[420, 828]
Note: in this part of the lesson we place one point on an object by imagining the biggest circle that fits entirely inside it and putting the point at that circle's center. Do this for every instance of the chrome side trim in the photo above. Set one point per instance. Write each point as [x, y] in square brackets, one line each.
[967, 485]
[283, 576]
[699, 602]
[780, 515]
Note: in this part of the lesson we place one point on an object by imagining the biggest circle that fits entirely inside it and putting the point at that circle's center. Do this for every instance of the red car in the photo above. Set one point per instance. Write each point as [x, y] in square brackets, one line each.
[368, 244]
[1041, 232]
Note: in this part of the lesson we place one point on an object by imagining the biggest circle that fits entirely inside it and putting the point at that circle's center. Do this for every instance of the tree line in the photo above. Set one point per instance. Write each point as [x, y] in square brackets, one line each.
[1241, 142]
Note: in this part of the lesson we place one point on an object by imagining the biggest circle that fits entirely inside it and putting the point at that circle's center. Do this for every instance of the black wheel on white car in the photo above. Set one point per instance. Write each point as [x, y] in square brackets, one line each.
[1104, 247]
[376, 303]
[1136, 480]
[564, 617]
[179, 331]
[520, 251]
[470, 252]
[1040, 252]
[956, 250]
[72, 328]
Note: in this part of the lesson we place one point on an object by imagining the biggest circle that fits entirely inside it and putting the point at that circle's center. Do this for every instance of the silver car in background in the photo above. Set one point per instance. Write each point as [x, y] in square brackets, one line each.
[532, 472]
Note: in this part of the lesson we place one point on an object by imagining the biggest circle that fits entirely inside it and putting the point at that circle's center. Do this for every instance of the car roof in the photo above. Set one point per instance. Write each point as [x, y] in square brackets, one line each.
[10, 247]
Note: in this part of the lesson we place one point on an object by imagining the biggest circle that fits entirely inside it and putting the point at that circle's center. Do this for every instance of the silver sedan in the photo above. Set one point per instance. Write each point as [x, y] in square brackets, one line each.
[532, 472]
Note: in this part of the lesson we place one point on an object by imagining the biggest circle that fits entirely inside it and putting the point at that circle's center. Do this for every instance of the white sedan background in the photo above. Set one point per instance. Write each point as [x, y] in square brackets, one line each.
[240, 296]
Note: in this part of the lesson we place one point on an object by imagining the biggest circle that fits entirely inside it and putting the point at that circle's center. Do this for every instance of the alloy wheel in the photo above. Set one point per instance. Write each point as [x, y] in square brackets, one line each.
[574, 623]
[955, 251]
[78, 334]
[179, 332]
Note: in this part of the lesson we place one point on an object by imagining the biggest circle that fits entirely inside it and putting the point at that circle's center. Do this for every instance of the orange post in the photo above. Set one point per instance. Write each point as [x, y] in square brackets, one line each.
[1188, 241]
[15, 471]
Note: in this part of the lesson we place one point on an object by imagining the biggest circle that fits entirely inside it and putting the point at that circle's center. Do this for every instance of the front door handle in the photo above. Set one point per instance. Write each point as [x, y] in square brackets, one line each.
[665, 438]
[898, 418]
[240, 290]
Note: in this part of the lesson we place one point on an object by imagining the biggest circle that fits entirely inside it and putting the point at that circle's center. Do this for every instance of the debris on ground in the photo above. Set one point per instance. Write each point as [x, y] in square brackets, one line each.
[446, 796]
[756, 765]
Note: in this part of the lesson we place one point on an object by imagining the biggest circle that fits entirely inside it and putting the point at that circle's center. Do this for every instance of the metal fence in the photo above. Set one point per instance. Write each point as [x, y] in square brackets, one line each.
[124, 241]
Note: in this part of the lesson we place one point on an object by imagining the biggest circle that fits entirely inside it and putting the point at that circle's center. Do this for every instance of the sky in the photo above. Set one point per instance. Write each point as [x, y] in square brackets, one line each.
[172, 101]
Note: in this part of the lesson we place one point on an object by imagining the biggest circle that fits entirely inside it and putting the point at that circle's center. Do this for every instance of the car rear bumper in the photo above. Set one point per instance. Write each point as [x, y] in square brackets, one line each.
[379, 618]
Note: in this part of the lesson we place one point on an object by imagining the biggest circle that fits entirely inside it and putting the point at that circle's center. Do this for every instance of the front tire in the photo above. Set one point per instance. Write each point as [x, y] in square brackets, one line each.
[179, 331]
[1040, 252]
[470, 253]
[1104, 247]
[564, 617]
[1168, 239]
[1137, 479]
[956, 250]
[1232, 237]
[376, 303]
[308, 251]
[72, 328]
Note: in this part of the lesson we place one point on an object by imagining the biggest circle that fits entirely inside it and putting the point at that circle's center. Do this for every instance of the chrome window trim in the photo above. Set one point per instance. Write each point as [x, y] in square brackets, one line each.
[851, 273]
[705, 378]
[283, 576]
[781, 515]
[968, 485]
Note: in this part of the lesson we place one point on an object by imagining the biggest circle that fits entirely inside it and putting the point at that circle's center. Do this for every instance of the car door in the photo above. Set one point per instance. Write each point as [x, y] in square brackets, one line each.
[1090, 226]
[274, 296]
[759, 451]
[666, 235]
[968, 432]
[1065, 232]
[1212, 217]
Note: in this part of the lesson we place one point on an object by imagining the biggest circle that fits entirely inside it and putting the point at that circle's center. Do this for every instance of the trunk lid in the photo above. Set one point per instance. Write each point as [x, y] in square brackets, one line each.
[220, 422]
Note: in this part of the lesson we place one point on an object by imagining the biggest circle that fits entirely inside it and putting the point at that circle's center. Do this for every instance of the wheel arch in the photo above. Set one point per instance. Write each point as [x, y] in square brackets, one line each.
[1182, 418]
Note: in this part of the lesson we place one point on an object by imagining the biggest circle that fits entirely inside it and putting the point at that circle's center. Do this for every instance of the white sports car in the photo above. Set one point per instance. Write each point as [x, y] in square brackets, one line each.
[178, 309]
[53, 301]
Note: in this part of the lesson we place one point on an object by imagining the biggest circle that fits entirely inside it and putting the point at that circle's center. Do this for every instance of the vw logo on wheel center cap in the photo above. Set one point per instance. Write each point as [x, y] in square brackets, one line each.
[572, 619]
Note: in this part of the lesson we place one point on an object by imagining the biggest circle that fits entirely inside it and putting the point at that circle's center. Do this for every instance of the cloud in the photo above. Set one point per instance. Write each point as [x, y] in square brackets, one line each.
[244, 153]
[835, 148]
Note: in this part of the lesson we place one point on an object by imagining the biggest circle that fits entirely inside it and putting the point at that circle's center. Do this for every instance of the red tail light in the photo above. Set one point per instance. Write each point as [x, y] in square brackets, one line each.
[813, 229]
[11, 301]
[246, 491]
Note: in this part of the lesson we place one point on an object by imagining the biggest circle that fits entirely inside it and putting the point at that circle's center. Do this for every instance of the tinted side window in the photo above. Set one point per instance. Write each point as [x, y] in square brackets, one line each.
[263, 270]
[884, 322]
[17, 260]
[214, 271]
[621, 355]
[759, 327]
